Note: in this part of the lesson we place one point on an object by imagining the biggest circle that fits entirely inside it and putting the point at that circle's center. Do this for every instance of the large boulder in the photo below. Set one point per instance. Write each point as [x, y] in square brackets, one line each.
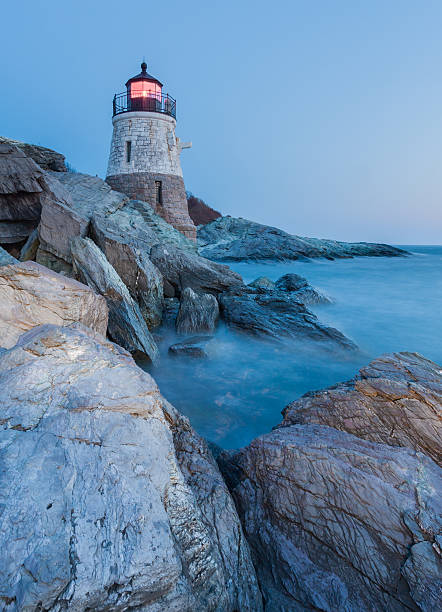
[197, 313]
[182, 268]
[46, 158]
[396, 400]
[31, 295]
[126, 324]
[110, 501]
[276, 316]
[338, 522]
[232, 239]
[299, 288]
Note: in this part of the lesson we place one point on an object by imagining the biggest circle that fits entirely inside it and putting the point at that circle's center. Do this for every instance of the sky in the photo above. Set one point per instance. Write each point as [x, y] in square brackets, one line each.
[320, 117]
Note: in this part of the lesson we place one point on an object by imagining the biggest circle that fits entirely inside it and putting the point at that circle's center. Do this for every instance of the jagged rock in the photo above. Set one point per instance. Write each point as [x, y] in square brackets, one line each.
[231, 239]
[32, 295]
[6, 259]
[191, 347]
[338, 523]
[28, 251]
[277, 317]
[47, 159]
[110, 501]
[263, 283]
[300, 289]
[199, 211]
[181, 268]
[126, 324]
[170, 312]
[396, 400]
[197, 313]
[134, 267]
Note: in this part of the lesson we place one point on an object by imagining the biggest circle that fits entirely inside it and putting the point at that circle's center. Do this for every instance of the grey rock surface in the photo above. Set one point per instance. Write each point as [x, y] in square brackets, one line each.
[28, 251]
[275, 316]
[134, 267]
[236, 239]
[338, 523]
[300, 289]
[194, 347]
[198, 312]
[31, 295]
[395, 400]
[182, 268]
[262, 282]
[15, 231]
[6, 258]
[126, 324]
[170, 312]
[46, 158]
[109, 499]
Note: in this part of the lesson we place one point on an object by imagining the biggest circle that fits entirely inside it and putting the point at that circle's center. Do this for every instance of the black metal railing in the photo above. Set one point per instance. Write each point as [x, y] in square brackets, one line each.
[165, 104]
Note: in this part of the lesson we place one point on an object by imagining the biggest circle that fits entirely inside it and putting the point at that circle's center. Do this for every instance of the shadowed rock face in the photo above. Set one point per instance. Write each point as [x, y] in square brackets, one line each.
[276, 316]
[231, 239]
[395, 400]
[126, 324]
[110, 501]
[197, 313]
[341, 523]
[47, 159]
[31, 295]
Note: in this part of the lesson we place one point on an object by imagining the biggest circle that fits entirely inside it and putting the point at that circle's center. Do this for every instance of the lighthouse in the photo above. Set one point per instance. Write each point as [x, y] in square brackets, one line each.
[144, 161]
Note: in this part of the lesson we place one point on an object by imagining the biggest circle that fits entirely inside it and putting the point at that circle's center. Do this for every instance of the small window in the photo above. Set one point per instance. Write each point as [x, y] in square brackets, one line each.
[158, 192]
[128, 150]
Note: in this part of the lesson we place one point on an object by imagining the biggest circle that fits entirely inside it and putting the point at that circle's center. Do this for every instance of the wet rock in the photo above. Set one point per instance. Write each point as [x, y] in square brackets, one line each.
[263, 283]
[182, 268]
[395, 400]
[126, 324]
[47, 159]
[6, 258]
[277, 317]
[197, 313]
[31, 295]
[232, 239]
[338, 523]
[170, 312]
[110, 501]
[191, 347]
[301, 290]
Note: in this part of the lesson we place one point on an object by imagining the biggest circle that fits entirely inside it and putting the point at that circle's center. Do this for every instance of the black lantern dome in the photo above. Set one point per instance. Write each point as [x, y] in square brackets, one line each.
[144, 93]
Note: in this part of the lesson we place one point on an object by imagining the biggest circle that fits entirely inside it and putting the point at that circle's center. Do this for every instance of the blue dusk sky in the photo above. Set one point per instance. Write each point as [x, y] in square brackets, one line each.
[323, 118]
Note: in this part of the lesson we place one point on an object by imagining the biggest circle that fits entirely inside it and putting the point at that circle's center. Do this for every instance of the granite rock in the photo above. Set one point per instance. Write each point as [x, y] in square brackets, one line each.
[126, 324]
[31, 295]
[338, 523]
[110, 501]
[277, 317]
[182, 268]
[395, 400]
[232, 239]
[299, 288]
[47, 159]
[6, 259]
[197, 313]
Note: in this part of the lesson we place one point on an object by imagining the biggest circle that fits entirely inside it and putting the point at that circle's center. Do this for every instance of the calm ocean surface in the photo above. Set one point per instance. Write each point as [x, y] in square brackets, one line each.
[382, 304]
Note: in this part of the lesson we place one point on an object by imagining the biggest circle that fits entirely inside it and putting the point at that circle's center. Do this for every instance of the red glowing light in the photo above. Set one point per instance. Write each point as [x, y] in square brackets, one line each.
[145, 89]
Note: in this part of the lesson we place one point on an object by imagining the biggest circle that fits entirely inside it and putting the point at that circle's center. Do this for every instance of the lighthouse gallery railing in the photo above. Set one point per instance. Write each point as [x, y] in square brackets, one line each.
[165, 104]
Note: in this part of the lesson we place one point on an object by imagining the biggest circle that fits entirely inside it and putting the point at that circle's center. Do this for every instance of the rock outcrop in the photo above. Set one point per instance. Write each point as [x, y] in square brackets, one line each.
[276, 316]
[126, 324]
[199, 211]
[231, 239]
[31, 295]
[6, 259]
[182, 268]
[395, 400]
[110, 501]
[194, 347]
[47, 159]
[198, 312]
[299, 288]
[337, 522]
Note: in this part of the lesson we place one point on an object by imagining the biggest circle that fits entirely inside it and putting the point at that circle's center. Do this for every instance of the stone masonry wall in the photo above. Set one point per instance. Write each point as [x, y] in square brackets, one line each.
[141, 186]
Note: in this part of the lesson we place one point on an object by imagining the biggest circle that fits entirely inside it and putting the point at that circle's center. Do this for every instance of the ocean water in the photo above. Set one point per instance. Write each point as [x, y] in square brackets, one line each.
[382, 304]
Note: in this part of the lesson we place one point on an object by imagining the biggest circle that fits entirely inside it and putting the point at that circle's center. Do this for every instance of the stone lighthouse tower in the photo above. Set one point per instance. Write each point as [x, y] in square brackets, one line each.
[144, 160]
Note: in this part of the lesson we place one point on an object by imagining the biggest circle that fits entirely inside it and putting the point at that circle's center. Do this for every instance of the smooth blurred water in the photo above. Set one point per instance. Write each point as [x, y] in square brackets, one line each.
[382, 304]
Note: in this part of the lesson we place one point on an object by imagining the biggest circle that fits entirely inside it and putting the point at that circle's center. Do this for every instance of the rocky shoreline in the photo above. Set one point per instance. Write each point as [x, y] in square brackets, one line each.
[109, 500]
